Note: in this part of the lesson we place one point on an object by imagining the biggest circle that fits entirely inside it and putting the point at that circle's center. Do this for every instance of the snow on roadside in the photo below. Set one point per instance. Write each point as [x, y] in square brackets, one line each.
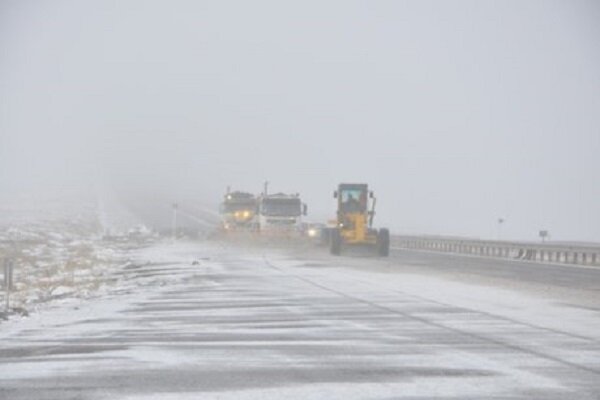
[60, 251]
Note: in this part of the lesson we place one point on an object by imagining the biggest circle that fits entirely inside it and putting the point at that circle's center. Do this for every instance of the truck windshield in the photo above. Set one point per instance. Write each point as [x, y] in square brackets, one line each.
[281, 207]
[233, 206]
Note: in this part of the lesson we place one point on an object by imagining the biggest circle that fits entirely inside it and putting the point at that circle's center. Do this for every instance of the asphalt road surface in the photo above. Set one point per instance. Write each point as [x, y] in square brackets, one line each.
[217, 321]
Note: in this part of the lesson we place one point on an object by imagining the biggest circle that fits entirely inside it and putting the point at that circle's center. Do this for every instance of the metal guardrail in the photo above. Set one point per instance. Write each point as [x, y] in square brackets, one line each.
[540, 252]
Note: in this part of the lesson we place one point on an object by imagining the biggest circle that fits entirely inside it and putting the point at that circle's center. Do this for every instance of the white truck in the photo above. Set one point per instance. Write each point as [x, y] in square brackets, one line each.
[281, 214]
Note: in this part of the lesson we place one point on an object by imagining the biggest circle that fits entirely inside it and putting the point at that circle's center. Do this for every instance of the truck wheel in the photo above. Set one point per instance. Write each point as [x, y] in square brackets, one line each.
[335, 242]
[383, 242]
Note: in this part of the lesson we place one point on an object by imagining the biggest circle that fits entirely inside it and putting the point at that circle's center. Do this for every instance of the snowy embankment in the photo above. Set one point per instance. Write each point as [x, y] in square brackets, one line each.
[60, 249]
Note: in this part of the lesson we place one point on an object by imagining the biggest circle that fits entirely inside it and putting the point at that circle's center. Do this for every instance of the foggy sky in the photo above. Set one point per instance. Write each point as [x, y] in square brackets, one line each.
[456, 113]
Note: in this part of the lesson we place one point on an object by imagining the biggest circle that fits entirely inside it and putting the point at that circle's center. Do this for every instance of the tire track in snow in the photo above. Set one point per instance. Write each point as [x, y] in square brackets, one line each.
[438, 325]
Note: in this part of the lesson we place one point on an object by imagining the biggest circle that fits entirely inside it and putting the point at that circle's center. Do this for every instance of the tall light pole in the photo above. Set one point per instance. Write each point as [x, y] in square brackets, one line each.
[174, 226]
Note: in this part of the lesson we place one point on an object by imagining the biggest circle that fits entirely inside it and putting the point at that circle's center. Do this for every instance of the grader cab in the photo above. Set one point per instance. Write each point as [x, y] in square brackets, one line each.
[354, 222]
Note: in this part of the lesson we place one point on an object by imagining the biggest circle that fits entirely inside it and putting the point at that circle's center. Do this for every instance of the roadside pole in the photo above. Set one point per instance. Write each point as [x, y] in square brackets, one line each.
[544, 235]
[174, 227]
[500, 222]
[8, 278]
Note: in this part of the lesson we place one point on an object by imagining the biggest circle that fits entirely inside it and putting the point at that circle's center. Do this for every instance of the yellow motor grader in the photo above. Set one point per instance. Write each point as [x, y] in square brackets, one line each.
[354, 222]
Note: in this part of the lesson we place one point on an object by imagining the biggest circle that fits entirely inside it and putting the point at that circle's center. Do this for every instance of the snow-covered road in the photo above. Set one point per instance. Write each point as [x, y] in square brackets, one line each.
[211, 321]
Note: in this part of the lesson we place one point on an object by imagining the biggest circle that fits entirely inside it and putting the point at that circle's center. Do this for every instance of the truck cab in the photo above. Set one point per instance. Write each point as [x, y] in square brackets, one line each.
[238, 211]
[280, 213]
